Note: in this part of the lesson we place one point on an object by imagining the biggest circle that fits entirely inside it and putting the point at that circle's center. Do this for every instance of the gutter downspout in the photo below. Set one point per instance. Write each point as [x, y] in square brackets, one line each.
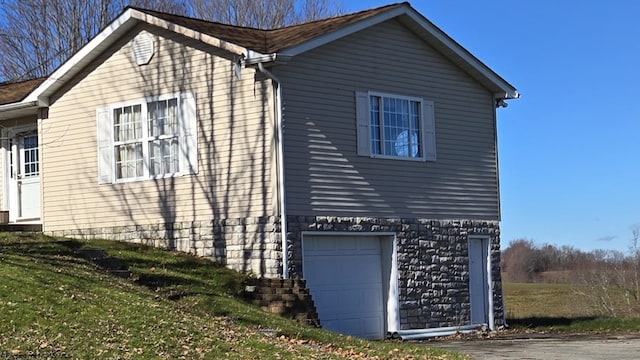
[280, 163]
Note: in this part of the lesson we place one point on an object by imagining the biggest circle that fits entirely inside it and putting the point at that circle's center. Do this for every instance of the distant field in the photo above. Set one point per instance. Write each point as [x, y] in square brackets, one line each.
[544, 300]
[558, 307]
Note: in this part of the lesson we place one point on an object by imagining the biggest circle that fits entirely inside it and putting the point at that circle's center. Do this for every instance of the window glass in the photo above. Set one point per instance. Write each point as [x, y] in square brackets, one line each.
[146, 139]
[129, 161]
[395, 130]
[31, 160]
[127, 123]
[163, 156]
[375, 125]
[163, 117]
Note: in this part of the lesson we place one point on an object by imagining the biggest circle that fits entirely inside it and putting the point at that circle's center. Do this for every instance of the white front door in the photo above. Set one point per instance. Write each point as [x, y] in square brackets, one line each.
[24, 177]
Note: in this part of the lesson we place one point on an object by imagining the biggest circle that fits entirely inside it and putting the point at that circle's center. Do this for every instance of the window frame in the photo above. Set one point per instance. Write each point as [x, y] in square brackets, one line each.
[426, 133]
[185, 133]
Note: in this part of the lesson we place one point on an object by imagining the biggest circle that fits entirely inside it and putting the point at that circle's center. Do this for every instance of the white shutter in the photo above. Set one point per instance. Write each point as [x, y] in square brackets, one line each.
[429, 133]
[188, 135]
[363, 123]
[105, 146]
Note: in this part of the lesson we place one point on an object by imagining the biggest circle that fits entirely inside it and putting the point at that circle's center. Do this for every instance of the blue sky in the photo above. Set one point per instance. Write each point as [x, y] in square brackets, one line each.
[568, 148]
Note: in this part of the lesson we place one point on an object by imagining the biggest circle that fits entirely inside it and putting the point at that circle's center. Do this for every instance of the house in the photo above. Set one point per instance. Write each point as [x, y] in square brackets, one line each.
[373, 134]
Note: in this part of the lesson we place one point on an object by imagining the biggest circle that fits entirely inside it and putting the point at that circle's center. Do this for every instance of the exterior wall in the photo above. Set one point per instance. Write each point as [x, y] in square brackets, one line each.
[433, 263]
[235, 142]
[324, 174]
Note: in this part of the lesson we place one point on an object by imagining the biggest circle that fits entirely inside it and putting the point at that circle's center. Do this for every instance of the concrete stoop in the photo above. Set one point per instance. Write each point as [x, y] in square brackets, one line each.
[289, 298]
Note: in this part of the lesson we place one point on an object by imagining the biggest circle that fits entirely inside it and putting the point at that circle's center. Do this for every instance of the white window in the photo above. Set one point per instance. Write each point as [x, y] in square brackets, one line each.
[395, 126]
[148, 138]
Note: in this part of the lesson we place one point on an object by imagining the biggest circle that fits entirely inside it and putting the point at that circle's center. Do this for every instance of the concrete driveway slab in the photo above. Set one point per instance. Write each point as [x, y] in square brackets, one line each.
[557, 346]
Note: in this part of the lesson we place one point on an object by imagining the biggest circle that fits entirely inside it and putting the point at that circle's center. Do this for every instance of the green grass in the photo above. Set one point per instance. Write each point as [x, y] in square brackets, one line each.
[557, 307]
[55, 303]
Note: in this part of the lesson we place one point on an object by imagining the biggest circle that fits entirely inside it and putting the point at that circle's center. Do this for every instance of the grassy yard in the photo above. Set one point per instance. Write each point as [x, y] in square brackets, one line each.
[557, 307]
[55, 303]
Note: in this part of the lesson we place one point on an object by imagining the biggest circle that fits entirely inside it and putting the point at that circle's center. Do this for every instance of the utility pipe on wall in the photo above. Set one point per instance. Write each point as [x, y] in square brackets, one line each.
[414, 334]
[280, 163]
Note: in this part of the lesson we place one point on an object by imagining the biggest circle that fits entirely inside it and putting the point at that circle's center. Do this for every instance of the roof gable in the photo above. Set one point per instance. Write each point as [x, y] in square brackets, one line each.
[265, 45]
[257, 45]
[274, 40]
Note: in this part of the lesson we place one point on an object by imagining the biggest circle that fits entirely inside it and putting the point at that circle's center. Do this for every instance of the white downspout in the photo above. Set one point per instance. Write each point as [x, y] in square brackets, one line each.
[280, 163]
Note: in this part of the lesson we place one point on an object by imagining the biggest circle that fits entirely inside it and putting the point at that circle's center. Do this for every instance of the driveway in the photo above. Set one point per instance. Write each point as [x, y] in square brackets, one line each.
[548, 346]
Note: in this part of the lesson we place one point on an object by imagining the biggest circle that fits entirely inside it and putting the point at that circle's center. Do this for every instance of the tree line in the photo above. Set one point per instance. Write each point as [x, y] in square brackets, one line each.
[37, 36]
[524, 261]
[608, 280]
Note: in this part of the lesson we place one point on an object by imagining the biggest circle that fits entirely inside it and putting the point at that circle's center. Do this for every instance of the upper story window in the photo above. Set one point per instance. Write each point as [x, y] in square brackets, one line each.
[147, 138]
[395, 126]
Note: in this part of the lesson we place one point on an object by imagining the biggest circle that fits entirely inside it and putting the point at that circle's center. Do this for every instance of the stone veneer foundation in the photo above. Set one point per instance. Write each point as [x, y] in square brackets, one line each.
[433, 263]
[251, 245]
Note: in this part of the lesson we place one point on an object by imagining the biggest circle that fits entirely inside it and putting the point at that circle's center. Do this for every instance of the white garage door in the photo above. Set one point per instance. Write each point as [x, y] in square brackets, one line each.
[344, 276]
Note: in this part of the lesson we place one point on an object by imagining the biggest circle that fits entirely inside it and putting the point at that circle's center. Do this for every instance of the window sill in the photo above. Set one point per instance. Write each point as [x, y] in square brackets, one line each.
[390, 157]
[154, 178]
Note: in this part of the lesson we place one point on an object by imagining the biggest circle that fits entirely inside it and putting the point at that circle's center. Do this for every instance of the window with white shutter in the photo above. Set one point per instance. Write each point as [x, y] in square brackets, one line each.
[146, 139]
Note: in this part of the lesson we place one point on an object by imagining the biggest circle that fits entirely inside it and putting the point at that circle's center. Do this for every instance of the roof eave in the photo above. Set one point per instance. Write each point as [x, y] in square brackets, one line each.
[17, 109]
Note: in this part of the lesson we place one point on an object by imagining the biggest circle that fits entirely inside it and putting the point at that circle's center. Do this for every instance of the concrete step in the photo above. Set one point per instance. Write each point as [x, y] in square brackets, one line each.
[21, 227]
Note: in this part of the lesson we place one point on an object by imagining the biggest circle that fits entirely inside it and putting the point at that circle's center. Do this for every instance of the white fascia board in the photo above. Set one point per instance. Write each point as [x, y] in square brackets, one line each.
[18, 105]
[254, 57]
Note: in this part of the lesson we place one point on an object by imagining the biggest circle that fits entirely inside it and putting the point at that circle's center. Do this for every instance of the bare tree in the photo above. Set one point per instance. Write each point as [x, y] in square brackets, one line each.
[263, 14]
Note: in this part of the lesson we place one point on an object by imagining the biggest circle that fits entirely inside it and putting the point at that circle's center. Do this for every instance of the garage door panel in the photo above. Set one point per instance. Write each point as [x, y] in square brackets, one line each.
[346, 265]
[365, 245]
[344, 276]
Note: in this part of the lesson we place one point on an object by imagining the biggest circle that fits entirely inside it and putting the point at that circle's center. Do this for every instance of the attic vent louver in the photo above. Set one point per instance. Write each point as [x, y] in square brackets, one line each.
[142, 49]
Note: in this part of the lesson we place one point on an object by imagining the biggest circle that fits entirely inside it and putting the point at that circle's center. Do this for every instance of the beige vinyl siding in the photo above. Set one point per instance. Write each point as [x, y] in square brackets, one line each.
[235, 140]
[324, 176]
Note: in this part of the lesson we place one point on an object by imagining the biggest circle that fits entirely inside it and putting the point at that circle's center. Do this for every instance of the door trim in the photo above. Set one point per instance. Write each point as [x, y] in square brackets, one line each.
[9, 188]
[485, 242]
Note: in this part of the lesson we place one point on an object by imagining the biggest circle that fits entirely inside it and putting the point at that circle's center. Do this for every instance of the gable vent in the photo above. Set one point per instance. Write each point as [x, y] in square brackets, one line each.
[142, 49]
